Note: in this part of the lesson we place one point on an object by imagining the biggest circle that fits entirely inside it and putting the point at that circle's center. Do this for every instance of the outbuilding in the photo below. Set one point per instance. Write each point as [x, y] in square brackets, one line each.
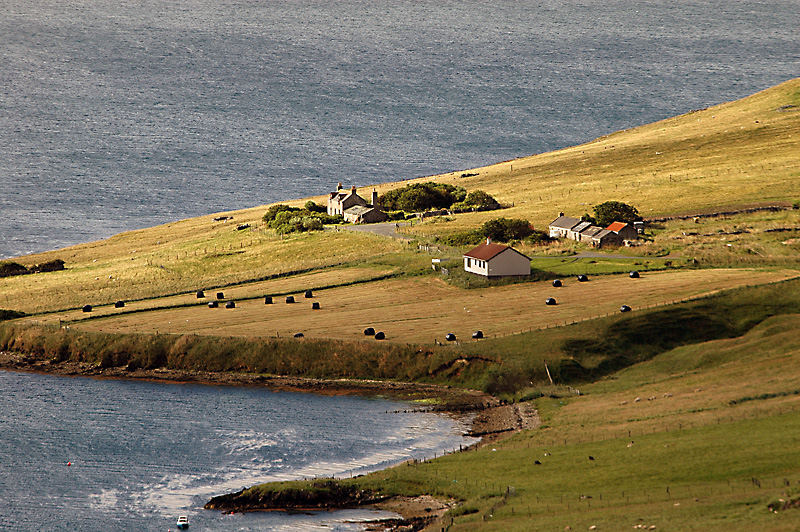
[496, 260]
[624, 231]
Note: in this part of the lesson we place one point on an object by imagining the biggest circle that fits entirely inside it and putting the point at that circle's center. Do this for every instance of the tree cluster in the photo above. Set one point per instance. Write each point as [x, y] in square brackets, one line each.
[285, 219]
[477, 200]
[499, 230]
[612, 211]
[422, 197]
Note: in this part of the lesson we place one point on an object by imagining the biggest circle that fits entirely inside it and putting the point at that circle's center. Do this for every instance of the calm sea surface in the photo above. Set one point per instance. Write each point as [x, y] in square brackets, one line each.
[118, 115]
[143, 453]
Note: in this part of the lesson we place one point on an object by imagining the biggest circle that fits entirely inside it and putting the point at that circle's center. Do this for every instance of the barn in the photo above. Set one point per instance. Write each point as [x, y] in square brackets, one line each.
[496, 260]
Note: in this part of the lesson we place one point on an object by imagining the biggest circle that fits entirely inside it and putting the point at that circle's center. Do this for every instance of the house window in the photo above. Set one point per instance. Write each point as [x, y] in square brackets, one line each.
[469, 262]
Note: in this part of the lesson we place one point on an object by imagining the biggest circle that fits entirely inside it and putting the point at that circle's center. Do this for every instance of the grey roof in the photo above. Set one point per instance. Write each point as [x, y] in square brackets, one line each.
[565, 222]
[592, 230]
[358, 209]
[602, 233]
[581, 226]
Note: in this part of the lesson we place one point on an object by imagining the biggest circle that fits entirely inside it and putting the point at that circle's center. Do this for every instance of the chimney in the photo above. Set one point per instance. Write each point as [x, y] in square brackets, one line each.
[353, 189]
[488, 240]
[374, 198]
[339, 186]
[560, 214]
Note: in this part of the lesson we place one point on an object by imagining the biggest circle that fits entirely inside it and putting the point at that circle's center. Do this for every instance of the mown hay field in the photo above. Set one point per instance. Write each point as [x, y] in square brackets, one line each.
[421, 310]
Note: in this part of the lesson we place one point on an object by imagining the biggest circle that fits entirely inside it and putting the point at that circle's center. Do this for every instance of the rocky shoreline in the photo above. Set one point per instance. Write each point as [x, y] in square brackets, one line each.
[490, 419]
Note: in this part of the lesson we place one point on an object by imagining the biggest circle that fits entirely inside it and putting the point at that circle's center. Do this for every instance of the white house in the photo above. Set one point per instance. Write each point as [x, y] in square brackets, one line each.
[561, 226]
[496, 260]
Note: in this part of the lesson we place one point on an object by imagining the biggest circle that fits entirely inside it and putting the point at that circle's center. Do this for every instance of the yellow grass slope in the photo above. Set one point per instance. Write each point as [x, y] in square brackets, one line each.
[424, 309]
[738, 153]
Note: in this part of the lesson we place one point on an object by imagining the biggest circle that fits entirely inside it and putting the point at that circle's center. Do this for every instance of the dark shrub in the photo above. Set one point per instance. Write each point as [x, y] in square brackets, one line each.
[505, 229]
[7, 269]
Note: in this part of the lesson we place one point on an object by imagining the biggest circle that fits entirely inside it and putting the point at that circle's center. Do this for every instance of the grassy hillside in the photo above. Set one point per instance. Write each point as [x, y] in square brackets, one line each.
[737, 153]
[742, 152]
[701, 437]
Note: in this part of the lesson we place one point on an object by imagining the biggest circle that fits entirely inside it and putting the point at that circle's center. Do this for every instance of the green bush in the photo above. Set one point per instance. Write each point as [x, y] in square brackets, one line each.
[312, 206]
[285, 219]
[274, 210]
[422, 197]
[615, 211]
[477, 200]
[538, 238]
[506, 229]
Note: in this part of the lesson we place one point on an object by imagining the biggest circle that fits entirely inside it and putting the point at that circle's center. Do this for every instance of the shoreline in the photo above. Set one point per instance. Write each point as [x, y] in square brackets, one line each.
[491, 419]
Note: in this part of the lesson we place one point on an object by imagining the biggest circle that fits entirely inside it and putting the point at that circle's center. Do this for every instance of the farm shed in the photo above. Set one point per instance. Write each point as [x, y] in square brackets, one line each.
[496, 260]
[623, 231]
[604, 238]
[361, 214]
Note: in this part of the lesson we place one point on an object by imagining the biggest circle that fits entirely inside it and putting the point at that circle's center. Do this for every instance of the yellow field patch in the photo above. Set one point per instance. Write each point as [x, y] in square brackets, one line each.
[300, 282]
[424, 309]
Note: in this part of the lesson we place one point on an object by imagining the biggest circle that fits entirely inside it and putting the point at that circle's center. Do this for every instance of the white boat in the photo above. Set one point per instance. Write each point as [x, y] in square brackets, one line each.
[183, 522]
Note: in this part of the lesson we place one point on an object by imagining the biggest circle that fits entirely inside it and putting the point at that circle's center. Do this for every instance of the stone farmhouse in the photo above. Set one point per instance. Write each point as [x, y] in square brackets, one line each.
[354, 208]
[496, 260]
[615, 234]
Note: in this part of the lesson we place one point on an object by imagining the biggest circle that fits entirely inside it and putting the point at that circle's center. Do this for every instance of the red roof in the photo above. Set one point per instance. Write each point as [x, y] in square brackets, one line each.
[486, 251]
[489, 251]
[616, 226]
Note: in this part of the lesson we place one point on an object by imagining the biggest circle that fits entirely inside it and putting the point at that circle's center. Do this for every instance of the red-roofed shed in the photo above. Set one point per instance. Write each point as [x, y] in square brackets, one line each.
[496, 260]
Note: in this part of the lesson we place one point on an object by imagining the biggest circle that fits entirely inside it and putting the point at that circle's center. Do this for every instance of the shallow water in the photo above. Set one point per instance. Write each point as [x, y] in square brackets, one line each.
[143, 453]
[116, 115]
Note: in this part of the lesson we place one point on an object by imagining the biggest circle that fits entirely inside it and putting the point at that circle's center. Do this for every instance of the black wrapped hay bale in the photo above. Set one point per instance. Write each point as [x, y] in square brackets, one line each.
[634, 275]
[550, 301]
[450, 337]
[379, 335]
[290, 299]
[369, 331]
[477, 335]
[583, 278]
[557, 282]
[230, 304]
[315, 305]
[624, 308]
[119, 304]
[87, 308]
[220, 295]
[308, 294]
[212, 304]
[200, 294]
[299, 335]
[267, 300]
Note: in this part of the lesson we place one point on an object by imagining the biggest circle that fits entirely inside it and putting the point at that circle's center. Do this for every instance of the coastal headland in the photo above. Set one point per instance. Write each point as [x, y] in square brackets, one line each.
[682, 413]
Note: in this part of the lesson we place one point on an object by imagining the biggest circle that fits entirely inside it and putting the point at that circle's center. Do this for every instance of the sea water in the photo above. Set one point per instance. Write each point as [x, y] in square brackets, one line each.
[87, 454]
[119, 115]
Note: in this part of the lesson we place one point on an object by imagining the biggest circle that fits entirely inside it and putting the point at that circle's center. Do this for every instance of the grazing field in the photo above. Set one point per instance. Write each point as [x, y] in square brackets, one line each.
[702, 437]
[424, 309]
